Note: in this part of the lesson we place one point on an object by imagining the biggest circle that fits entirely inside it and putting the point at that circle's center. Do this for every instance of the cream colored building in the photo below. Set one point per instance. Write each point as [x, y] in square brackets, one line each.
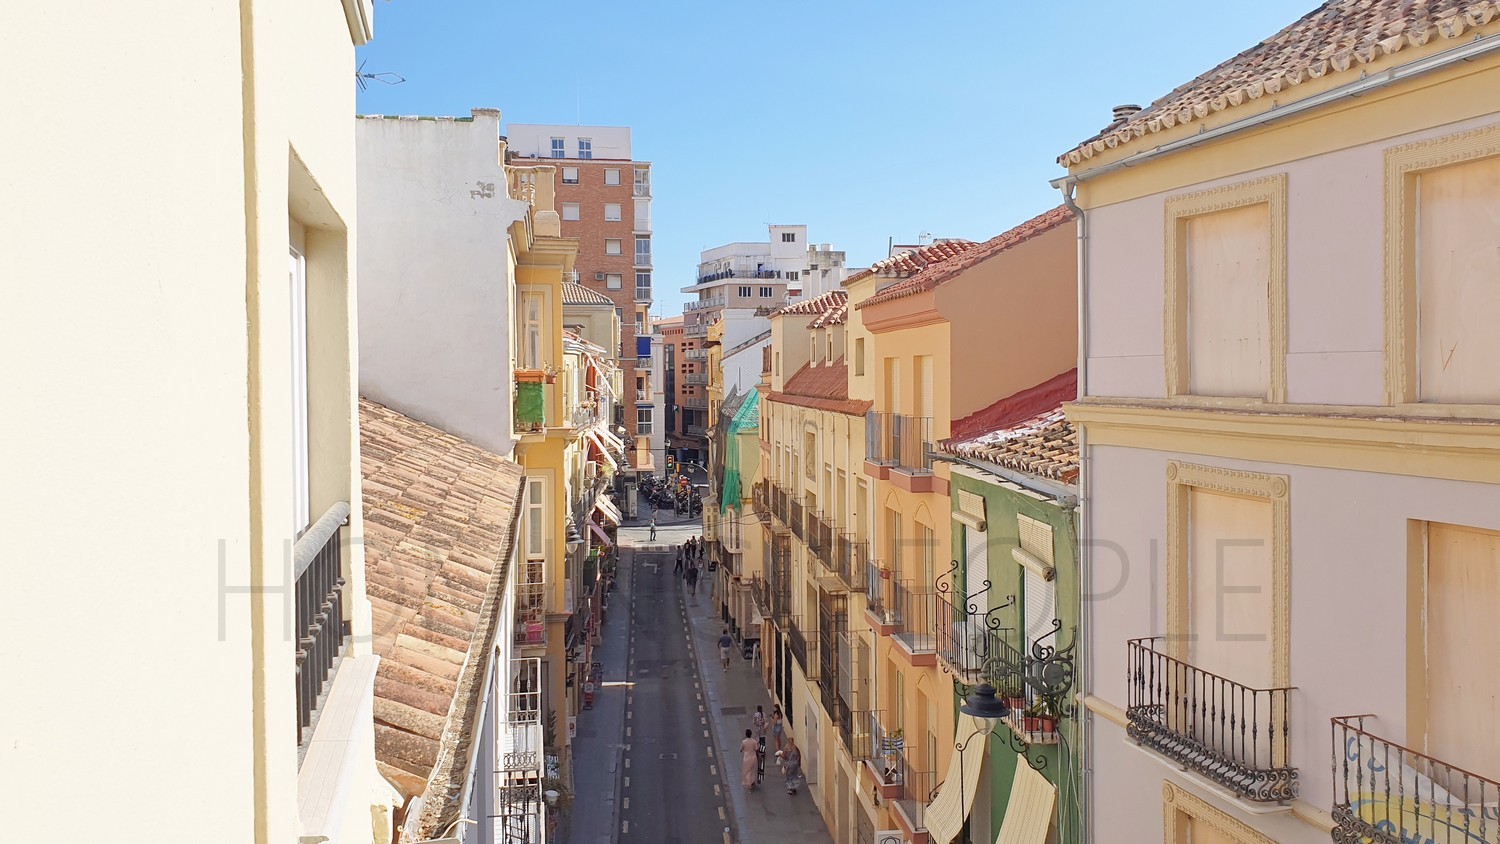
[1291, 488]
[181, 424]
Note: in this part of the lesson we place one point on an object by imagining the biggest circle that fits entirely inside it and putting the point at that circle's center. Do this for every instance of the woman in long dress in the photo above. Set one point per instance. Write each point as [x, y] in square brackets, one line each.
[791, 765]
[748, 749]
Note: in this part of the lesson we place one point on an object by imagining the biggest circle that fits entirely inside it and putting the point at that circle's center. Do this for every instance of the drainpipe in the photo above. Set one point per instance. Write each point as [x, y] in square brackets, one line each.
[1083, 515]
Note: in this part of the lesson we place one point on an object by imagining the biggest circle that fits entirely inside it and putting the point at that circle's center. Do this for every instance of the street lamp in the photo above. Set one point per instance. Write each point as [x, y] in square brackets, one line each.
[985, 706]
[574, 538]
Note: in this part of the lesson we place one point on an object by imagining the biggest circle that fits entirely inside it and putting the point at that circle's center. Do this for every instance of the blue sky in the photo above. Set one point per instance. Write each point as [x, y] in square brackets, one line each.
[865, 120]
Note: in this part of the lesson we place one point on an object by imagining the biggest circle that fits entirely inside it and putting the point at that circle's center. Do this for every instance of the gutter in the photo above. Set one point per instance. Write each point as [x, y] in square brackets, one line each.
[1063, 493]
[1478, 48]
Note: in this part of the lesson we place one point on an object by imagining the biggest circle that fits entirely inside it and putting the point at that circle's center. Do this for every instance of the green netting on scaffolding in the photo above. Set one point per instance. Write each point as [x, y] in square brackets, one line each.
[745, 419]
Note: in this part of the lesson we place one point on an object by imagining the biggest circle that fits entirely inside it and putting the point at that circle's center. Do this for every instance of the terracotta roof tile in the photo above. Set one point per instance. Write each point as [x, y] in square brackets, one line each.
[824, 387]
[819, 305]
[1338, 37]
[440, 517]
[939, 273]
[1026, 432]
[574, 293]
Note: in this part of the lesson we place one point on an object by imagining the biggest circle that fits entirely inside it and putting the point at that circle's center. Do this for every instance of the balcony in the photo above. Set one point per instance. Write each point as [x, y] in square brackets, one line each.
[900, 448]
[570, 275]
[1429, 800]
[696, 402]
[700, 304]
[642, 296]
[530, 401]
[322, 632]
[760, 497]
[779, 575]
[519, 801]
[880, 599]
[797, 642]
[642, 189]
[820, 537]
[1229, 733]
[531, 605]
[696, 379]
[851, 559]
[697, 329]
[971, 641]
[695, 354]
[916, 611]
[759, 275]
[586, 414]
[795, 519]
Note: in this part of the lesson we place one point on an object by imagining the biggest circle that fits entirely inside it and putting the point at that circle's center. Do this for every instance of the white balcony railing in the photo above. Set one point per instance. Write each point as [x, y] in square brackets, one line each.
[700, 304]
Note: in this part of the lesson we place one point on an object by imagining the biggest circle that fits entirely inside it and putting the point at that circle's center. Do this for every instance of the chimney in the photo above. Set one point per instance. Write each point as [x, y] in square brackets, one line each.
[1123, 113]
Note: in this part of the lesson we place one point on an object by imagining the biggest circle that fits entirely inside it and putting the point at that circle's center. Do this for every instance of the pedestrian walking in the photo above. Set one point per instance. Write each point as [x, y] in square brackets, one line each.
[653, 524]
[749, 762]
[692, 578]
[778, 727]
[791, 765]
[759, 723]
[726, 646]
[677, 569]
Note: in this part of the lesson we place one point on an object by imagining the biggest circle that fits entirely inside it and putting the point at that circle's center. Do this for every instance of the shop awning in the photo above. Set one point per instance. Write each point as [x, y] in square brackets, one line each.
[599, 451]
[607, 509]
[609, 439]
[600, 535]
[946, 816]
[1028, 815]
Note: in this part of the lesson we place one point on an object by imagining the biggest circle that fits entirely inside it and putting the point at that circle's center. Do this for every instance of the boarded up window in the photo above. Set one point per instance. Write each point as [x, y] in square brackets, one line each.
[1463, 703]
[1229, 278]
[1230, 587]
[1458, 283]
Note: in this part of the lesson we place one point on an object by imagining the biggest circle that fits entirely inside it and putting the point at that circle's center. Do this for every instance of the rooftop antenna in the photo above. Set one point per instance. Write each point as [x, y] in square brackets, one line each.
[386, 77]
[924, 238]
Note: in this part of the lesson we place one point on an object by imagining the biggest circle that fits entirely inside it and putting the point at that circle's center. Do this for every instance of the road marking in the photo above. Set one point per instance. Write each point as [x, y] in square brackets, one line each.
[710, 752]
[702, 720]
[627, 732]
[627, 785]
[721, 810]
[625, 804]
[624, 827]
[713, 770]
[700, 697]
[627, 762]
[705, 733]
[629, 714]
[717, 792]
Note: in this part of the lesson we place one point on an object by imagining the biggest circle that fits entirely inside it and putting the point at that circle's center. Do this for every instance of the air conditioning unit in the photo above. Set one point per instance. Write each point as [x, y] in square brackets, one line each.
[598, 276]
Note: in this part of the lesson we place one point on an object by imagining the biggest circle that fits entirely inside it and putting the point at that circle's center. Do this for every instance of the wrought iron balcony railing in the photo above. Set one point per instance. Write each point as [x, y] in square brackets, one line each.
[892, 439]
[700, 304]
[820, 537]
[851, 558]
[969, 638]
[322, 632]
[918, 790]
[797, 641]
[1228, 732]
[859, 740]
[887, 757]
[795, 519]
[695, 379]
[1390, 794]
[760, 496]
[880, 592]
[916, 611]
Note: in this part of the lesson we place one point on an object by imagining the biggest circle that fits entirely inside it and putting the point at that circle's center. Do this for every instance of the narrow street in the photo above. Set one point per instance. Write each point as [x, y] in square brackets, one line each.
[673, 784]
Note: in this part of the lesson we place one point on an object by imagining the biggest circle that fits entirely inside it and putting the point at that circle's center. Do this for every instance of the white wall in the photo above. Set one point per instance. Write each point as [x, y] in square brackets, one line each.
[1348, 604]
[146, 441]
[535, 139]
[435, 287]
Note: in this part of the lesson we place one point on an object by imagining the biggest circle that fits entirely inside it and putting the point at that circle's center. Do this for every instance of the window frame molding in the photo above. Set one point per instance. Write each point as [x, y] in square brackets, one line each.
[1176, 800]
[1404, 164]
[1275, 489]
[1179, 210]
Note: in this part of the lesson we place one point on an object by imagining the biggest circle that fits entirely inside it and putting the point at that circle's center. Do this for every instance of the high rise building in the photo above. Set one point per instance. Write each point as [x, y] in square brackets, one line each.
[604, 198]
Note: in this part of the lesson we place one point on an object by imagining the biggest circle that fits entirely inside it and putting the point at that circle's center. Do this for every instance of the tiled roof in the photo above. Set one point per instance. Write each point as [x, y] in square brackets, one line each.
[818, 305]
[574, 293]
[1026, 432]
[824, 387]
[833, 316]
[941, 272]
[440, 520]
[1339, 37]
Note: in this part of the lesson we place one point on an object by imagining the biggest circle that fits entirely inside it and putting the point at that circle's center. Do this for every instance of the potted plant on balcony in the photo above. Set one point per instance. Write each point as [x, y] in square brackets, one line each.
[1014, 697]
[550, 372]
[1040, 717]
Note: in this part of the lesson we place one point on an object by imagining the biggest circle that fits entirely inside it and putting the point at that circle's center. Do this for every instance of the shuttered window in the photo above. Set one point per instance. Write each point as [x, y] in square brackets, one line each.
[924, 385]
[1039, 594]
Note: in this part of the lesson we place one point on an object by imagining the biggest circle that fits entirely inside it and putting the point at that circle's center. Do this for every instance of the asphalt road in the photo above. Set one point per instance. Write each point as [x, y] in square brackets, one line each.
[673, 784]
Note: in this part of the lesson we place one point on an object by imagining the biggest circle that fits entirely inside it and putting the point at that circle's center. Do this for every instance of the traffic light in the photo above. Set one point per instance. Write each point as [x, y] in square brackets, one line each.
[671, 465]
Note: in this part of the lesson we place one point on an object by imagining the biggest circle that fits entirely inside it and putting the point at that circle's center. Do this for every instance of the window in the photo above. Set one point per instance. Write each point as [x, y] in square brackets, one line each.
[643, 284]
[585, 149]
[893, 385]
[792, 275]
[812, 348]
[644, 418]
[744, 292]
[893, 540]
[1226, 291]
[611, 176]
[927, 540]
[611, 212]
[536, 522]
[788, 237]
[1039, 588]
[924, 385]
[640, 323]
[612, 246]
[570, 175]
[301, 485]
[558, 150]
[613, 281]
[1462, 584]
[642, 182]
[570, 211]
[531, 331]
[643, 251]
[765, 292]
[859, 356]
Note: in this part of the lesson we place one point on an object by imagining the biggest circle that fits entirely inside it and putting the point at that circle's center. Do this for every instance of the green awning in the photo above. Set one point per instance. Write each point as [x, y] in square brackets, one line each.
[747, 418]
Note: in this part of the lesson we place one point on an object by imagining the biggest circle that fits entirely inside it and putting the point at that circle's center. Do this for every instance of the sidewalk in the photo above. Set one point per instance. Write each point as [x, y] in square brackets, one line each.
[599, 745]
[767, 815]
